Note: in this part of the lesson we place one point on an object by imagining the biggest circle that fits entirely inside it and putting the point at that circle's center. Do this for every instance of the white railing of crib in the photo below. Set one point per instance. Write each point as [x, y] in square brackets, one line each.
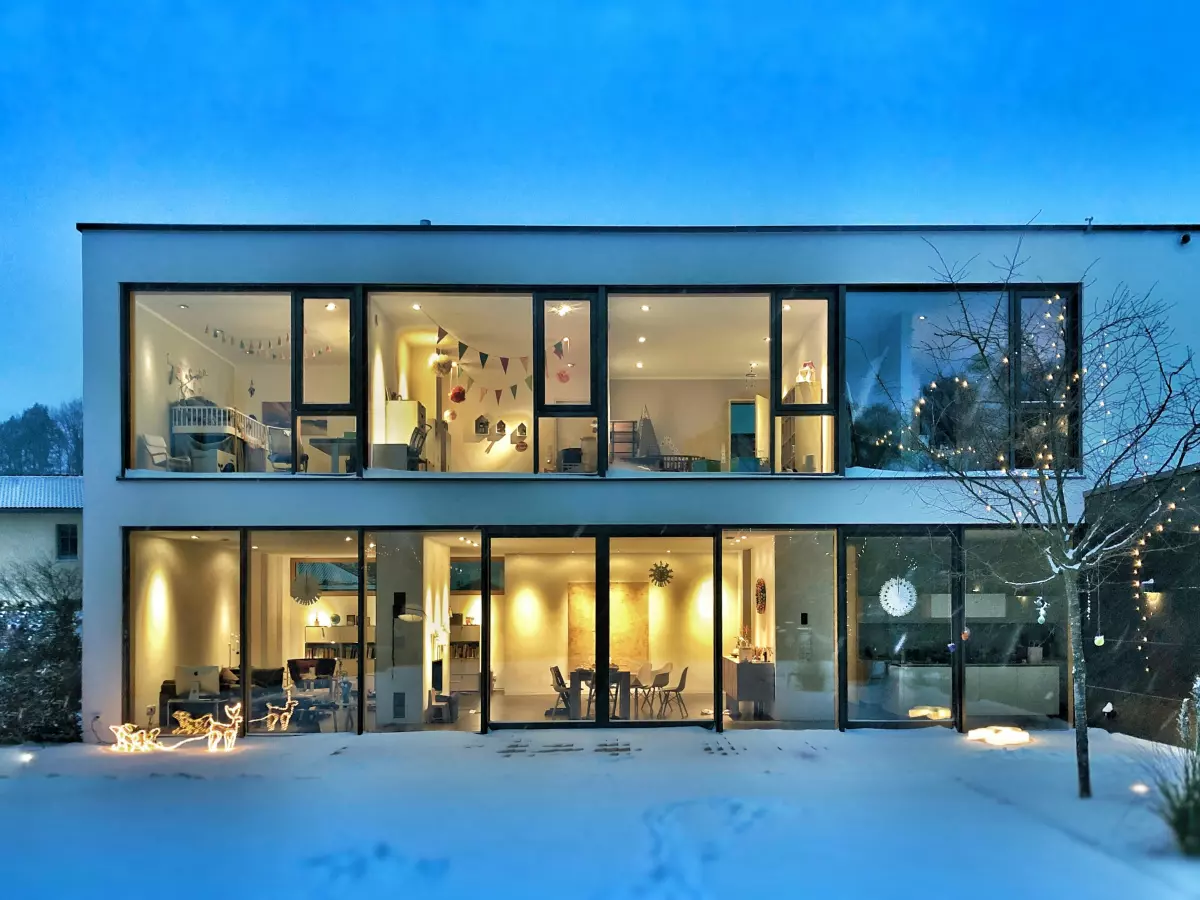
[221, 420]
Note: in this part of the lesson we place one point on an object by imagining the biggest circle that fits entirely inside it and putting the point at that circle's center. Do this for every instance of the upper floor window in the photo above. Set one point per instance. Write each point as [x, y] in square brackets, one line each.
[66, 539]
[237, 382]
[969, 381]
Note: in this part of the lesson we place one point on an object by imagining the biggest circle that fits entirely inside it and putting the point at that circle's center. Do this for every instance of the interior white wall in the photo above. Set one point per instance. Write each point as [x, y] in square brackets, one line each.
[183, 611]
[694, 413]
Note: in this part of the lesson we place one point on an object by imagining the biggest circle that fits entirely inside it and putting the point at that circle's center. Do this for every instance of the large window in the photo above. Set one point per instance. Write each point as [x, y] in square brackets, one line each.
[213, 379]
[779, 628]
[185, 654]
[963, 380]
[689, 383]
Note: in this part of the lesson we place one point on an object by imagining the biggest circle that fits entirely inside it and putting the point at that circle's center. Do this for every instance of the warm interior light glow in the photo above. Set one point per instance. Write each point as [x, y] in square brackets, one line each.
[417, 306]
[936, 713]
[330, 306]
[645, 308]
[999, 735]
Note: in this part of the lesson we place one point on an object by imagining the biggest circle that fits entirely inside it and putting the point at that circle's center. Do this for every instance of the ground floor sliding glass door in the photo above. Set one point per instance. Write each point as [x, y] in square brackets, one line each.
[295, 631]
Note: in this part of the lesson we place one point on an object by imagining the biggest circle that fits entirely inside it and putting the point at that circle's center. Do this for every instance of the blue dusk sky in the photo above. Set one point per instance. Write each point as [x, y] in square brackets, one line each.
[625, 112]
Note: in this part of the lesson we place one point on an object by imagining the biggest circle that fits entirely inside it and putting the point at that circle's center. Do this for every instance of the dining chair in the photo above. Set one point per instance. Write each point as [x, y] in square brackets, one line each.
[639, 684]
[561, 690]
[674, 695]
[657, 684]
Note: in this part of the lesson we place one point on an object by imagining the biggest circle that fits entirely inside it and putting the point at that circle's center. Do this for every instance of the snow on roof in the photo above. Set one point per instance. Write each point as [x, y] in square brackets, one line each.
[41, 492]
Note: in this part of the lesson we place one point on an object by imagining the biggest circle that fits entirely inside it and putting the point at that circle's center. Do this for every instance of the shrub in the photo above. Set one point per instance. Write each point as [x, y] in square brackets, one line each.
[1177, 778]
[40, 652]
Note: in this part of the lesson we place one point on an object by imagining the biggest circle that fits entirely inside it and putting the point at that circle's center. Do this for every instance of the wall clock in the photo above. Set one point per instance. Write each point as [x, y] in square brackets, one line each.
[898, 597]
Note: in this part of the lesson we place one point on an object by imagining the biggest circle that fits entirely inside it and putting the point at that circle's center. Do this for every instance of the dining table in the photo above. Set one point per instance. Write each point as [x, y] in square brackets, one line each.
[580, 678]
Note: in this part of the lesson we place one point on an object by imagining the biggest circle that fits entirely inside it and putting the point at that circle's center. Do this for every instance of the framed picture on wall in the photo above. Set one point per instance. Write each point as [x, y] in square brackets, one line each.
[466, 576]
[334, 576]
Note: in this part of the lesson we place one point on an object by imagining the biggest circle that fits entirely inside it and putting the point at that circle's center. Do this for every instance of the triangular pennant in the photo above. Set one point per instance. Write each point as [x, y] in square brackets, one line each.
[483, 357]
[482, 394]
[499, 391]
[470, 381]
[462, 348]
[558, 349]
[525, 363]
[513, 388]
[529, 382]
[504, 364]
[441, 333]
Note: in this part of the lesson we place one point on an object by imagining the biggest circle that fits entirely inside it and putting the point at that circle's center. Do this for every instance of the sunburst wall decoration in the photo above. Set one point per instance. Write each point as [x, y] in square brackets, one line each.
[661, 574]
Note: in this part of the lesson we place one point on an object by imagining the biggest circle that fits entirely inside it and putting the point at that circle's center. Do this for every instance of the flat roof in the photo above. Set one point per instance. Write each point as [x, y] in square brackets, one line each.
[634, 229]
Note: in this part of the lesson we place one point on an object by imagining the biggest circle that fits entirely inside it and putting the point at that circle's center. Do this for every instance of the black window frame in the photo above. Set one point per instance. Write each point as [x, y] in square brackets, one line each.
[834, 320]
[597, 407]
[68, 533]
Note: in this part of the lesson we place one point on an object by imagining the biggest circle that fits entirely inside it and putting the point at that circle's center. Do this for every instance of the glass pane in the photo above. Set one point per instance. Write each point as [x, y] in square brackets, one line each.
[779, 624]
[661, 628]
[689, 382]
[184, 630]
[1016, 649]
[328, 445]
[805, 375]
[900, 639]
[425, 619]
[304, 632]
[566, 445]
[1045, 384]
[326, 350]
[211, 383]
[927, 379]
[544, 630]
[804, 444]
[568, 351]
[451, 381]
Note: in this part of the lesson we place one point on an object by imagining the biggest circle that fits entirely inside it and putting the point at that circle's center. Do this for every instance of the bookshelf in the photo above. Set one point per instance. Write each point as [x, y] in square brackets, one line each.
[339, 642]
[464, 658]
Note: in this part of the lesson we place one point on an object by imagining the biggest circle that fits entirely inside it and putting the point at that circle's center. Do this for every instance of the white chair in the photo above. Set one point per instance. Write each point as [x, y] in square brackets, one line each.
[155, 455]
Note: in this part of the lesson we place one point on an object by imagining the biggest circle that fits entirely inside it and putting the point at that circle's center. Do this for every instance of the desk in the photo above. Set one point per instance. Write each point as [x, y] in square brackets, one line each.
[335, 447]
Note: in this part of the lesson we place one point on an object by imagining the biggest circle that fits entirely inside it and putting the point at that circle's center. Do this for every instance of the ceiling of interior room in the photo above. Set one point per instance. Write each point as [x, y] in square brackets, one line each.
[251, 319]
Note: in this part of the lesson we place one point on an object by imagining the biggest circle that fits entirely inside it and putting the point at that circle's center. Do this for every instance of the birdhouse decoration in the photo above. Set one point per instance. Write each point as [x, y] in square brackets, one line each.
[501, 427]
[482, 425]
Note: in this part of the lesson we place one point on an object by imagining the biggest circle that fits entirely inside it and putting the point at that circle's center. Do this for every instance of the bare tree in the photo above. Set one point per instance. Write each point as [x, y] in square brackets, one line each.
[1033, 404]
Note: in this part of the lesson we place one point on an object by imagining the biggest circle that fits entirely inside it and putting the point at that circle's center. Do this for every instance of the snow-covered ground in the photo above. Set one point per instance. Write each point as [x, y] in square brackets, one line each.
[667, 813]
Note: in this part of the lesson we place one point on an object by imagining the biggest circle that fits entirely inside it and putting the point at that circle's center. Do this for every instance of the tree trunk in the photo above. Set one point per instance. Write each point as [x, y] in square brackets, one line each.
[1078, 680]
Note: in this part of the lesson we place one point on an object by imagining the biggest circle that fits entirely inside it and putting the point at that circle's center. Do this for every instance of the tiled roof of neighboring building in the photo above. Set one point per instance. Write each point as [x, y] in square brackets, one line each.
[41, 492]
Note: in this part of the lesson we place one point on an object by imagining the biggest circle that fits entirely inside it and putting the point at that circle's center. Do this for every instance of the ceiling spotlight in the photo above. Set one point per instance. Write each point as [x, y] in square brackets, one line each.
[183, 306]
[922, 318]
[787, 308]
[195, 537]
[639, 365]
[645, 308]
[641, 340]
[254, 546]
[417, 306]
[349, 539]
[331, 306]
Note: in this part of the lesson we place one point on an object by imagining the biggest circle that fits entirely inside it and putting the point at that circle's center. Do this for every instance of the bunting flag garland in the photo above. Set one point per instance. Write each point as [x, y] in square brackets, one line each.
[525, 363]
[483, 358]
[529, 382]
[462, 348]
[513, 388]
[470, 381]
[504, 364]
[499, 391]
[442, 332]
[482, 394]
[558, 349]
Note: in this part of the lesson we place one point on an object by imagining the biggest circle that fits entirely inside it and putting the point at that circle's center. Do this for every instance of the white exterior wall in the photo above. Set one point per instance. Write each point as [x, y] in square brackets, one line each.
[29, 534]
[1140, 259]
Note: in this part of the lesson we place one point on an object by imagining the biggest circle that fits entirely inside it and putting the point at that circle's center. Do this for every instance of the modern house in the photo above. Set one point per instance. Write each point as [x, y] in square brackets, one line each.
[394, 478]
[40, 518]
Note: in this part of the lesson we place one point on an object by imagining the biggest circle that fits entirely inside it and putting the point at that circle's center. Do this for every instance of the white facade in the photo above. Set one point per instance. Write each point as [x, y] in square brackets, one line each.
[1102, 259]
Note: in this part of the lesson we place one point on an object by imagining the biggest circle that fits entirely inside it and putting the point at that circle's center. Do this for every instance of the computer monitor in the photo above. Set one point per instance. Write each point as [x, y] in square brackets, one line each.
[201, 679]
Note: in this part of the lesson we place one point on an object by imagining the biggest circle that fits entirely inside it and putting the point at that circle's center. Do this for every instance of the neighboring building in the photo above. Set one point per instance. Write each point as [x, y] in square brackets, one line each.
[41, 517]
[545, 447]
[1146, 607]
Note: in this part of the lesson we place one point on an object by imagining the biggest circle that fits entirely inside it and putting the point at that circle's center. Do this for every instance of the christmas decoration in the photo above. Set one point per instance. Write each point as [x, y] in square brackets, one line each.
[563, 376]
[760, 596]
[251, 388]
[439, 364]
[898, 597]
[131, 739]
[458, 394]
[661, 574]
[936, 713]
[1098, 640]
[280, 715]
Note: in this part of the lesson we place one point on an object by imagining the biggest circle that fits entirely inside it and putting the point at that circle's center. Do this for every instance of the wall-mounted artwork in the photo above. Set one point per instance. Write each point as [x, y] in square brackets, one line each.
[629, 624]
[334, 576]
[466, 576]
